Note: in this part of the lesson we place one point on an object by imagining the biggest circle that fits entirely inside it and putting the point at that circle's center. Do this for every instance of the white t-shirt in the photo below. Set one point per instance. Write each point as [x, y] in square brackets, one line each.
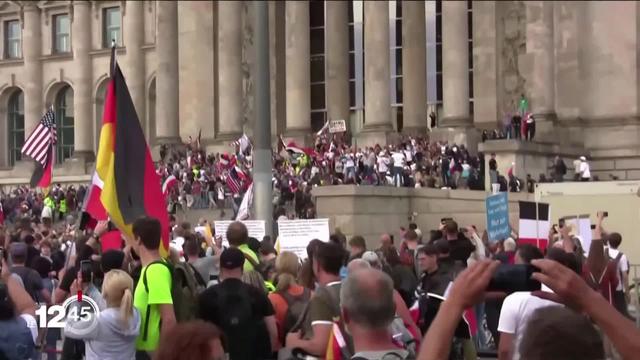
[383, 164]
[584, 170]
[398, 159]
[516, 311]
[623, 266]
[348, 161]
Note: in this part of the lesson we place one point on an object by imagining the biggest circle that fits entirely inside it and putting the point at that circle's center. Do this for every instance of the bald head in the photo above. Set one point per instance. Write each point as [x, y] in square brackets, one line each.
[356, 265]
[237, 234]
[366, 298]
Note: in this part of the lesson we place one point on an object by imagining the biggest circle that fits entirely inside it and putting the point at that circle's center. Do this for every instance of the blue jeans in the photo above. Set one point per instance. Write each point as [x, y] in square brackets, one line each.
[397, 176]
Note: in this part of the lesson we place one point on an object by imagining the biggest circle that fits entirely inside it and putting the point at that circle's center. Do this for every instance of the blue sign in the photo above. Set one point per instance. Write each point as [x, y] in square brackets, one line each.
[498, 217]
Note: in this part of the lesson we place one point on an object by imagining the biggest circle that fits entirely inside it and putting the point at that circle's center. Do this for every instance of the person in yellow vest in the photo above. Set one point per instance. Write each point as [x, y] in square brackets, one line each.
[63, 208]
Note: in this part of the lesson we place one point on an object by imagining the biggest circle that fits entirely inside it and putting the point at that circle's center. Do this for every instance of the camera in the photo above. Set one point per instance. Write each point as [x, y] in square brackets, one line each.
[514, 278]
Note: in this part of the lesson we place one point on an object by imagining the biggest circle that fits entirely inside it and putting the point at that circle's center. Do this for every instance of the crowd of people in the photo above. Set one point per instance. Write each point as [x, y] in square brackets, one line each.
[212, 180]
[439, 294]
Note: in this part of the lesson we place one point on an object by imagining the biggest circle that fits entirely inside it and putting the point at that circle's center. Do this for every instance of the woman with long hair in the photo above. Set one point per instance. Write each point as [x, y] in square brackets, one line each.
[599, 272]
[288, 293]
[118, 325]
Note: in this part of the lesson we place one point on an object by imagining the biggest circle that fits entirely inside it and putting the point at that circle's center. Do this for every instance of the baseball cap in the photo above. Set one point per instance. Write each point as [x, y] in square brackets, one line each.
[231, 258]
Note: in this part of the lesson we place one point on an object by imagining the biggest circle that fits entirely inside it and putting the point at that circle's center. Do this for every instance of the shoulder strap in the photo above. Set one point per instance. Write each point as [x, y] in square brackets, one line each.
[145, 330]
[144, 277]
[618, 257]
[197, 275]
[251, 260]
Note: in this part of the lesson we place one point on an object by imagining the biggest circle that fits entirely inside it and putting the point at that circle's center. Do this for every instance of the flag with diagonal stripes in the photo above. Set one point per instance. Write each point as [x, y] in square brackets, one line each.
[45, 134]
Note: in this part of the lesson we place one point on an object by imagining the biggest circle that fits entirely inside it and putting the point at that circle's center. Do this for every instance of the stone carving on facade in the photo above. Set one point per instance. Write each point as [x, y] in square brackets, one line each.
[514, 45]
[248, 61]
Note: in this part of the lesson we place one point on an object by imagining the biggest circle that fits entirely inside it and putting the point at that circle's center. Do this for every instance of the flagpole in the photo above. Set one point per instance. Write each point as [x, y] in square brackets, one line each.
[263, 190]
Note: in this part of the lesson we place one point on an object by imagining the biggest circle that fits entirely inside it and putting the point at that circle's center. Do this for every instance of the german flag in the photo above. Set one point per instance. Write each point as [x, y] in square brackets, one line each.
[131, 189]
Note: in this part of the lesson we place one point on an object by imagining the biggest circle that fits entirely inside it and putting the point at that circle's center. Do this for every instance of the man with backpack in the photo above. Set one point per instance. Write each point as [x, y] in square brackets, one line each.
[243, 313]
[153, 296]
[324, 306]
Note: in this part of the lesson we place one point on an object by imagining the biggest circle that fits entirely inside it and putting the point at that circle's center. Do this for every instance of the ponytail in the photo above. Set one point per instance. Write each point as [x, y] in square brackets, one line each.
[126, 307]
[285, 280]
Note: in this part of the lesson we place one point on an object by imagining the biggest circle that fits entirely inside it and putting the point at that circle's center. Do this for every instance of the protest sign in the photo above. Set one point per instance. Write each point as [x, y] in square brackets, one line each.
[295, 235]
[256, 229]
[336, 126]
[498, 217]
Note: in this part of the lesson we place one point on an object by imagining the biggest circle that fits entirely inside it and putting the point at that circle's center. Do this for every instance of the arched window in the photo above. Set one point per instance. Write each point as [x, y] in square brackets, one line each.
[15, 116]
[64, 122]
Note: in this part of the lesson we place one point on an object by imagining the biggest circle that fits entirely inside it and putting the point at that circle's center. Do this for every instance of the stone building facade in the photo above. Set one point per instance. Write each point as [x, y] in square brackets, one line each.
[383, 66]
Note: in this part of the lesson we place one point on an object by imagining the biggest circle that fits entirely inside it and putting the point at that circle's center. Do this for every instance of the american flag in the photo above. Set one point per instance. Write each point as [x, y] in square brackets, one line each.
[37, 145]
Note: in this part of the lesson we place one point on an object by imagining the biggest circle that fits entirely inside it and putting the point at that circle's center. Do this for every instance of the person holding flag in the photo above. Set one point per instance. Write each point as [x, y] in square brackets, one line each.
[131, 193]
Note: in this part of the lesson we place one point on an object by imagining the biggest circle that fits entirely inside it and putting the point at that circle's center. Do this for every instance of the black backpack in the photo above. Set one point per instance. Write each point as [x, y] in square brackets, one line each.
[186, 285]
[296, 307]
[244, 334]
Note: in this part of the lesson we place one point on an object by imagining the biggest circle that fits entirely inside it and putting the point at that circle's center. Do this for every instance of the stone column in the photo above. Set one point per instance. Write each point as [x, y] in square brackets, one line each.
[541, 90]
[455, 64]
[230, 69]
[84, 117]
[377, 100]
[32, 51]
[167, 122]
[298, 77]
[133, 35]
[337, 57]
[414, 69]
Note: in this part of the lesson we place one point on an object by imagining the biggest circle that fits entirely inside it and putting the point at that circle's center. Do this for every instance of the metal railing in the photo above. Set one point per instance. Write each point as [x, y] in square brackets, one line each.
[634, 284]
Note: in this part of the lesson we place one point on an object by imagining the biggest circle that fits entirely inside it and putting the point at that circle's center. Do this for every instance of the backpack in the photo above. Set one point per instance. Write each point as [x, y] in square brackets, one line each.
[296, 307]
[186, 285]
[238, 323]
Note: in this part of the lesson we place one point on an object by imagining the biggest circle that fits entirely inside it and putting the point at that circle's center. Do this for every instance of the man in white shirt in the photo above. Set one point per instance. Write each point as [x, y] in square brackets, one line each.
[621, 295]
[518, 307]
[585, 171]
[398, 167]
[383, 165]
[576, 169]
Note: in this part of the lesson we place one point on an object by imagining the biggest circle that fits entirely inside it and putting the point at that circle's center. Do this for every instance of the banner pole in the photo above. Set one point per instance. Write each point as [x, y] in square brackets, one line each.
[262, 160]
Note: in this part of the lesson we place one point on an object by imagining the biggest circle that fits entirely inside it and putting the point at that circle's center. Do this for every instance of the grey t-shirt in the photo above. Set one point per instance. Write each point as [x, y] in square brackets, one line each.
[207, 266]
[31, 280]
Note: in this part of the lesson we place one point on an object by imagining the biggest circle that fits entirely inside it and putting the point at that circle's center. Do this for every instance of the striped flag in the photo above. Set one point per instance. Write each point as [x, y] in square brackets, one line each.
[168, 184]
[534, 229]
[233, 181]
[40, 146]
[131, 188]
[37, 145]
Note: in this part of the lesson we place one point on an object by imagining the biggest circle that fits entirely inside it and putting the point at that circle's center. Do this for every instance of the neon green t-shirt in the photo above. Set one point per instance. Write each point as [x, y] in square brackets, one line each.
[159, 281]
[247, 264]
